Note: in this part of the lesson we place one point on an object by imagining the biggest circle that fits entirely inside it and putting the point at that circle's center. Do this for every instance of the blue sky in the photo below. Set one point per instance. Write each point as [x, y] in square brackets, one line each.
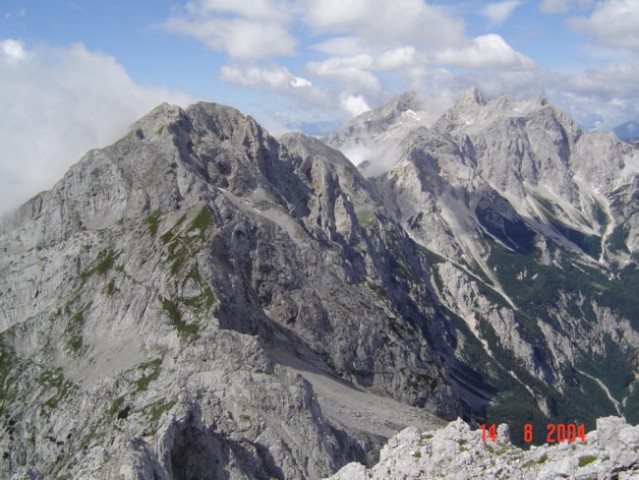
[76, 74]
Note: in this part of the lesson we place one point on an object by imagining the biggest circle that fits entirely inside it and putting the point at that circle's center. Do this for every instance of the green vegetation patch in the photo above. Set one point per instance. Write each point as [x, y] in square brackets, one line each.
[150, 372]
[111, 289]
[202, 222]
[74, 328]
[172, 311]
[617, 239]
[181, 246]
[600, 215]
[105, 262]
[166, 237]
[155, 410]
[194, 274]
[54, 379]
[365, 217]
[116, 406]
[586, 460]
[204, 301]
[589, 244]
[75, 343]
[183, 243]
[152, 222]
[614, 368]
[8, 364]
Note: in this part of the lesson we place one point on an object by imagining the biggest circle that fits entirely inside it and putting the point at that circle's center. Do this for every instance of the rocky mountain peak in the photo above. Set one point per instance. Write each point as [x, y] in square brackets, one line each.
[472, 96]
[406, 101]
[399, 110]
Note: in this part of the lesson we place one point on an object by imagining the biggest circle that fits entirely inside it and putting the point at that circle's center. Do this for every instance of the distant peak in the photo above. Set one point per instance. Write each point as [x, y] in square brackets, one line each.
[406, 101]
[471, 96]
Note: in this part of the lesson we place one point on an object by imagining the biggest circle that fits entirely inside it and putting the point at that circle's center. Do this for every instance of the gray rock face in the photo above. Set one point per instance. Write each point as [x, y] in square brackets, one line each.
[142, 295]
[203, 300]
[457, 452]
[533, 225]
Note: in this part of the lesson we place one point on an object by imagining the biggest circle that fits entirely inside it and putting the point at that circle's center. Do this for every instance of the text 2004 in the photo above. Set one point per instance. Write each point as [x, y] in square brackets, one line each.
[555, 432]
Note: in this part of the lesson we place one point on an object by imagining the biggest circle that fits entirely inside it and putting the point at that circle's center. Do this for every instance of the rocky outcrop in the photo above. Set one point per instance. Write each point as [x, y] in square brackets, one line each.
[457, 452]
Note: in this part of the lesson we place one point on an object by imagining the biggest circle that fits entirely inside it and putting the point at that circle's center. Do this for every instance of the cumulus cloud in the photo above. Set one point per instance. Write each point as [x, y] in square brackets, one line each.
[381, 23]
[592, 94]
[395, 59]
[363, 42]
[257, 9]
[13, 50]
[354, 104]
[356, 72]
[276, 77]
[350, 72]
[344, 45]
[499, 12]
[239, 37]
[363, 46]
[487, 51]
[562, 6]
[248, 29]
[615, 23]
[56, 104]
[554, 6]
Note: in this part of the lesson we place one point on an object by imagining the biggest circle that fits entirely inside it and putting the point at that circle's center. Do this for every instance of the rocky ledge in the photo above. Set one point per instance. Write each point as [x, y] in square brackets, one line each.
[457, 452]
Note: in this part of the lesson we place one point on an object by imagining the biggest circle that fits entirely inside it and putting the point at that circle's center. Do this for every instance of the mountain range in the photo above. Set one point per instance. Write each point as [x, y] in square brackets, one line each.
[203, 300]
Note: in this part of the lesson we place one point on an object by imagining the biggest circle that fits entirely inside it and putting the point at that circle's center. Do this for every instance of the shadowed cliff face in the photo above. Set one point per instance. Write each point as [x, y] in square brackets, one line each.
[148, 299]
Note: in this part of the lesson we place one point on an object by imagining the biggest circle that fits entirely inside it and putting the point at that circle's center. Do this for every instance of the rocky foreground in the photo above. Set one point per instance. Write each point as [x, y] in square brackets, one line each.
[457, 452]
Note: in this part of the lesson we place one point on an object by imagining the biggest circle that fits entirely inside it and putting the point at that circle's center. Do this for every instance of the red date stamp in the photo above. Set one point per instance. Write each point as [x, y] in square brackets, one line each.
[555, 432]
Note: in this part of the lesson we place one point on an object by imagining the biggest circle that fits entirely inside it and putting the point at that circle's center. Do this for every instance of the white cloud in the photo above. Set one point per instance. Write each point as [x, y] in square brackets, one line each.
[394, 59]
[380, 23]
[592, 93]
[246, 29]
[554, 6]
[299, 82]
[356, 72]
[276, 77]
[352, 72]
[614, 23]
[487, 51]
[56, 104]
[364, 46]
[240, 38]
[499, 12]
[13, 50]
[563, 6]
[257, 9]
[353, 104]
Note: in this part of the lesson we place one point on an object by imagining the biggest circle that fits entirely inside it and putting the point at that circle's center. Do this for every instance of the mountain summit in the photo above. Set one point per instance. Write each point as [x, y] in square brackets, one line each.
[201, 299]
